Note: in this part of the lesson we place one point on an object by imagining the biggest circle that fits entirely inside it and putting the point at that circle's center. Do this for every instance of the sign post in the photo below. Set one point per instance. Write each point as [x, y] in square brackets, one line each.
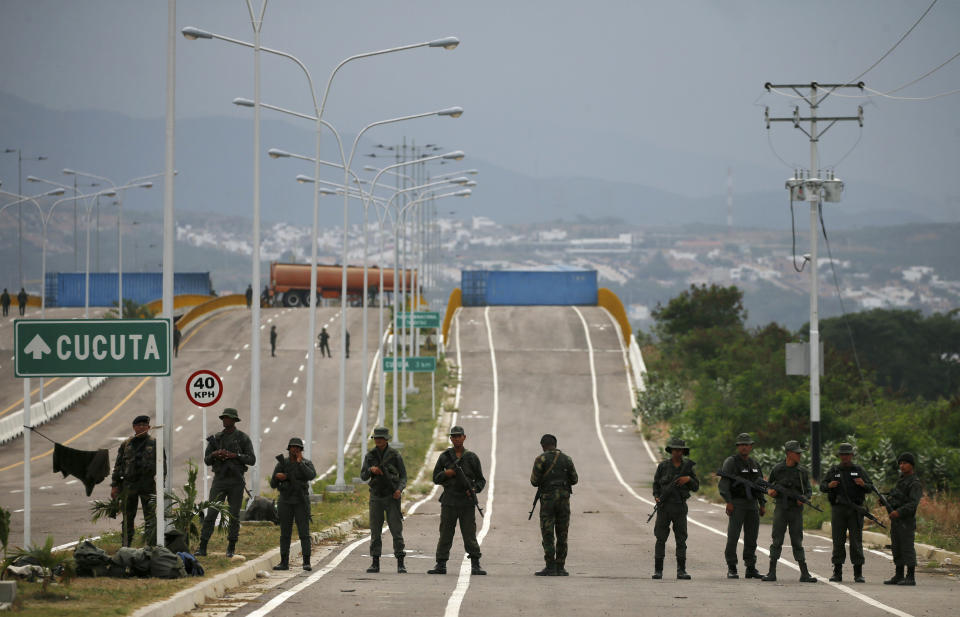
[204, 389]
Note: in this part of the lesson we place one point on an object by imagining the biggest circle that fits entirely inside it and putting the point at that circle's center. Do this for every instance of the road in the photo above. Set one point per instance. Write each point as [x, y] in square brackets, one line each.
[221, 343]
[528, 371]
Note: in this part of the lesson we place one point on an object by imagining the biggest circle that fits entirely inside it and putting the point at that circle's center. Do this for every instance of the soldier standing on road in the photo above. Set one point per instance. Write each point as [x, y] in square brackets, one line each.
[456, 502]
[291, 477]
[678, 472]
[554, 476]
[176, 341]
[229, 453]
[346, 343]
[273, 341]
[793, 476]
[22, 301]
[324, 340]
[134, 479]
[904, 499]
[745, 506]
[249, 295]
[846, 485]
[384, 471]
[5, 301]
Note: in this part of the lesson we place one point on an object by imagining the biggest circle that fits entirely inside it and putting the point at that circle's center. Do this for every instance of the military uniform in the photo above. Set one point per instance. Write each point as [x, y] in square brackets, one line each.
[846, 513]
[228, 480]
[456, 506]
[672, 508]
[554, 475]
[134, 474]
[789, 513]
[382, 489]
[293, 503]
[746, 510]
[904, 499]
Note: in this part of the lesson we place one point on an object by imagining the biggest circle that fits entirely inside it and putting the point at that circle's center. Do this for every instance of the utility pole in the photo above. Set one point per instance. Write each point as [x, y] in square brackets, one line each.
[809, 188]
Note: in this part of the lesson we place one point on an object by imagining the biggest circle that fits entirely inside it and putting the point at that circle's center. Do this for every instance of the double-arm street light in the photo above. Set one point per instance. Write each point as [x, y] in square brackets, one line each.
[20, 160]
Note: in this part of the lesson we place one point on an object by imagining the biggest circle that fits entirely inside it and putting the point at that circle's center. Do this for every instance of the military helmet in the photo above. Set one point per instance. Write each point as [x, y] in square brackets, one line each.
[906, 457]
[457, 430]
[230, 412]
[295, 441]
[381, 432]
[845, 448]
[743, 439]
[793, 446]
[678, 444]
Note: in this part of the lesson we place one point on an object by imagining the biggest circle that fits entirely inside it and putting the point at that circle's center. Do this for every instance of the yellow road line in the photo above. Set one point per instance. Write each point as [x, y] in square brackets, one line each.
[109, 413]
[20, 402]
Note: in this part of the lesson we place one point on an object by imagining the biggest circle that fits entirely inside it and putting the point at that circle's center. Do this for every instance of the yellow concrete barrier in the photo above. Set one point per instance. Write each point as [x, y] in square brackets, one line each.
[455, 302]
[609, 300]
[212, 305]
[181, 301]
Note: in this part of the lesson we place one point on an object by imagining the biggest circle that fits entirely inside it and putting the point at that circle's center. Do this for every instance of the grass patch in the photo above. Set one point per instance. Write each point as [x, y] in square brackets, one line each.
[938, 521]
[121, 596]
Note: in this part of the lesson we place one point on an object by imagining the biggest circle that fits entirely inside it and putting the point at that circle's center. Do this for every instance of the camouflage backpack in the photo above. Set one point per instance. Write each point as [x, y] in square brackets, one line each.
[92, 560]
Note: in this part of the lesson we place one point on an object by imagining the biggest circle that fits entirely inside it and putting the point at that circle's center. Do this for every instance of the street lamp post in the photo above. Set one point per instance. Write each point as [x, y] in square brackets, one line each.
[20, 160]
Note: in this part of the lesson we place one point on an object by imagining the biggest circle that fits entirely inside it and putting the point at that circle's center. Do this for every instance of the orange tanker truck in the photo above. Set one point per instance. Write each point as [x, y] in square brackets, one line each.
[290, 283]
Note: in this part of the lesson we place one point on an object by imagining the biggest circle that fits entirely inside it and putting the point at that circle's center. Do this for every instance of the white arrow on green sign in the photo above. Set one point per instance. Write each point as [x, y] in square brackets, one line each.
[421, 319]
[91, 347]
[414, 364]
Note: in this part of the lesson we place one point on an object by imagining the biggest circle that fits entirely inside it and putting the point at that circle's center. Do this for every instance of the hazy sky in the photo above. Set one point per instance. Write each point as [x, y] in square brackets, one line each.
[550, 88]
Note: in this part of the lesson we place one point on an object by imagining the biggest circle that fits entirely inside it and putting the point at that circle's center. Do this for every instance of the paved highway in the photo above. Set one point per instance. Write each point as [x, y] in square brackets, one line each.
[221, 343]
[527, 371]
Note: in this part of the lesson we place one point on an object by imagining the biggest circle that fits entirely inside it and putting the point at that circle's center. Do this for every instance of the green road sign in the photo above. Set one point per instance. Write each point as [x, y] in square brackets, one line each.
[91, 347]
[415, 364]
[421, 319]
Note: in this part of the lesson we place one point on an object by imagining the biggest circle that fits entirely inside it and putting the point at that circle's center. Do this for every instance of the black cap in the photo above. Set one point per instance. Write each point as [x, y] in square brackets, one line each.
[906, 457]
[141, 420]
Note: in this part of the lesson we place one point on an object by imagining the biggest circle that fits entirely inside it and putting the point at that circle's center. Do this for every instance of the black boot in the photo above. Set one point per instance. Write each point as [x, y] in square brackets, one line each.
[475, 567]
[284, 560]
[682, 569]
[896, 578]
[401, 569]
[440, 568]
[657, 568]
[202, 549]
[375, 566]
[732, 571]
[752, 572]
[858, 574]
[560, 570]
[771, 575]
[838, 573]
[306, 558]
[909, 580]
[548, 570]
[805, 573]
[231, 547]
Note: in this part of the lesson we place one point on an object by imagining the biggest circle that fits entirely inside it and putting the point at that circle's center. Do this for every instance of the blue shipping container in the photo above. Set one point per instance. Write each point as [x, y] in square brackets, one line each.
[68, 288]
[528, 288]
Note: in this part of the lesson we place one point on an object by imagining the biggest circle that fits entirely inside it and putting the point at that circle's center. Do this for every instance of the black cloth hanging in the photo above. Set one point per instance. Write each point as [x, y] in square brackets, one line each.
[90, 467]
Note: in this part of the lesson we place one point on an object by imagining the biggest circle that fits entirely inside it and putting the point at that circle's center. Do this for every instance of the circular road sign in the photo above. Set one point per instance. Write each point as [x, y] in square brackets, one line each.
[204, 388]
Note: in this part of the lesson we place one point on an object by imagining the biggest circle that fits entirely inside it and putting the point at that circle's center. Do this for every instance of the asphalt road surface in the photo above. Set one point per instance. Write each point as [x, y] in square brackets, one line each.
[562, 370]
[60, 505]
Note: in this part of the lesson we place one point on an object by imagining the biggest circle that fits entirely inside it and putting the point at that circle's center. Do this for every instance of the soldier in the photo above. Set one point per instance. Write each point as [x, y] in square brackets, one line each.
[177, 335]
[249, 295]
[458, 470]
[672, 484]
[291, 477]
[323, 339]
[5, 301]
[745, 506]
[846, 485]
[273, 341]
[791, 476]
[554, 476]
[229, 453]
[384, 471]
[22, 301]
[904, 499]
[134, 478]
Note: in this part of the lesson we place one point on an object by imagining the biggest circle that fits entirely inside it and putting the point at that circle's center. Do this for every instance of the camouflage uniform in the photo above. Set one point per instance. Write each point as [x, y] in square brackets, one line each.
[228, 480]
[746, 509]
[382, 488]
[673, 508]
[846, 513]
[294, 502]
[134, 473]
[554, 474]
[904, 499]
[789, 513]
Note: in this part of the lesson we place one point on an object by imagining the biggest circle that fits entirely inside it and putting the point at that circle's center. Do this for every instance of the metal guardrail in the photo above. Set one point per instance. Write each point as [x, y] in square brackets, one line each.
[43, 411]
[637, 366]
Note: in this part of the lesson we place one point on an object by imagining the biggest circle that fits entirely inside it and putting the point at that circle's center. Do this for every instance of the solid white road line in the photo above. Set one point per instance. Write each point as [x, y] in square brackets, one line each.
[616, 472]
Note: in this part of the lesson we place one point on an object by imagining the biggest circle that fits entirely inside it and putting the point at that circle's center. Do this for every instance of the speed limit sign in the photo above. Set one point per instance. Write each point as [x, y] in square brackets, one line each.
[204, 388]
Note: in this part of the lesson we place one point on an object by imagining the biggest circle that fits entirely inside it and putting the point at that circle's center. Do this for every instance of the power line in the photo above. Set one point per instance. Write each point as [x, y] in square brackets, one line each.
[927, 74]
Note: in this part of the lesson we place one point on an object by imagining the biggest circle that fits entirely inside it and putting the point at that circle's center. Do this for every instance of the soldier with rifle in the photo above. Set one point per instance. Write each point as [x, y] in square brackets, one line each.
[554, 476]
[291, 477]
[384, 471]
[789, 485]
[846, 485]
[458, 471]
[229, 453]
[902, 503]
[673, 482]
[745, 506]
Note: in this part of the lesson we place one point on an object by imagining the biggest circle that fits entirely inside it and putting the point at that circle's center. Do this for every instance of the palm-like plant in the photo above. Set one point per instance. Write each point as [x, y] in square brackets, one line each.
[4, 528]
[54, 564]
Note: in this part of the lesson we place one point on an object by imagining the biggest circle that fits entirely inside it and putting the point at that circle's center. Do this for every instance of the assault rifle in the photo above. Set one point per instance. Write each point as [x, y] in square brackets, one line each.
[685, 470]
[883, 500]
[763, 486]
[535, 500]
[862, 510]
[465, 481]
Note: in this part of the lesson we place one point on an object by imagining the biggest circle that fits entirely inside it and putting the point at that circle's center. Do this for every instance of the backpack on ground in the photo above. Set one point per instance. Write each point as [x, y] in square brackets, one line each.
[164, 564]
[91, 560]
[190, 564]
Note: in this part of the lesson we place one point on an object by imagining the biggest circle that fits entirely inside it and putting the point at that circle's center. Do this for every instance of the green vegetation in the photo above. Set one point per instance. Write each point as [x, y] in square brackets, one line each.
[711, 378]
[117, 596]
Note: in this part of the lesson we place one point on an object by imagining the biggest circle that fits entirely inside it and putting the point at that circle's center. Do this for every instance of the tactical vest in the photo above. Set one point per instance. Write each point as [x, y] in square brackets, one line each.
[847, 491]
[139, 458]
[747, 469]
[557, 468]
